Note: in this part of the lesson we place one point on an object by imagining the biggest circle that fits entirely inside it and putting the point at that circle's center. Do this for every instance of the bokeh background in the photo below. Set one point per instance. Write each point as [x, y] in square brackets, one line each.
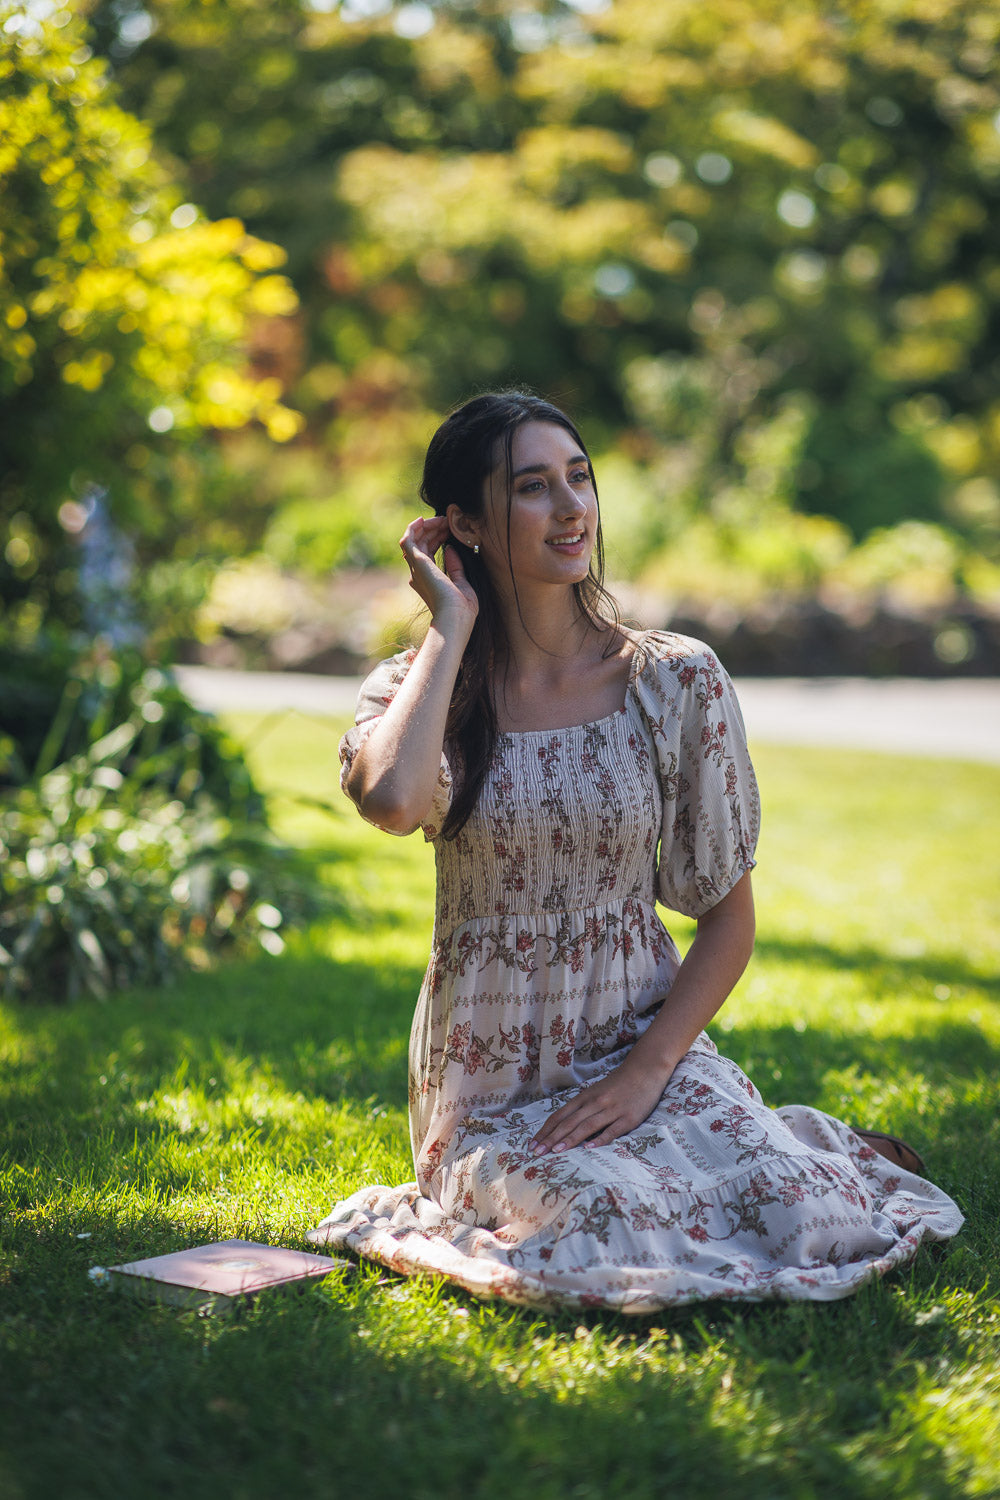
[252, 250]
[250, 253]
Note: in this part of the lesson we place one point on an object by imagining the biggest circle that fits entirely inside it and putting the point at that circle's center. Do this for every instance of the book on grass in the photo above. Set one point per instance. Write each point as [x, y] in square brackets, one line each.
[214, 1277]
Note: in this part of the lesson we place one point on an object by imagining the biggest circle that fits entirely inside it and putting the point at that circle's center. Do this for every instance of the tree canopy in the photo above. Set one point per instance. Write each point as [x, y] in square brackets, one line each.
[124, 315]
[753, 246]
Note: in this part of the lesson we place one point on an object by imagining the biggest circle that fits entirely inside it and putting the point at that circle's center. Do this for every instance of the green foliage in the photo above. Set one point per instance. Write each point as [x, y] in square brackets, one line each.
[55, 704]
[743, 203]
[132, 836]
[781, 555]
[693, 226]
[358, 526]
[106, 884]
[867, 473]
[123, 312]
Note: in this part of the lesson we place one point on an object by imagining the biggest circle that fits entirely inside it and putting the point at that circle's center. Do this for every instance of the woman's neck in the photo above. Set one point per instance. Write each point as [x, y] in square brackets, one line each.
[556, 675]
[542, 633]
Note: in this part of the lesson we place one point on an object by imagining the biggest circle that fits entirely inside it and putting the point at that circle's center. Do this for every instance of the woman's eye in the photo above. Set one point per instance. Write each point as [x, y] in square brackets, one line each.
[580, 476]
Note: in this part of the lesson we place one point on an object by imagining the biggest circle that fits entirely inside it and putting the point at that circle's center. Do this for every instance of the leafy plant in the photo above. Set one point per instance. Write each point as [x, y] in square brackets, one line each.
[133, 840]
[56, 703]
[107, 882]
[125, 316]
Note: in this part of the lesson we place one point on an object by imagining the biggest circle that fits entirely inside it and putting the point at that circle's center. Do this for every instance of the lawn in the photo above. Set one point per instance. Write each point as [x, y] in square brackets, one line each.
[244, 1101]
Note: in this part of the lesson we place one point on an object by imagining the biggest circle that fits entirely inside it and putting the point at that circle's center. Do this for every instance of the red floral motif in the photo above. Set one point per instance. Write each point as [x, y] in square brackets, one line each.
[550, 755]
[431, 1155]
[744, 1132]
[713, 740]
[694, 1098]
[458, 1040]
[792, 1190]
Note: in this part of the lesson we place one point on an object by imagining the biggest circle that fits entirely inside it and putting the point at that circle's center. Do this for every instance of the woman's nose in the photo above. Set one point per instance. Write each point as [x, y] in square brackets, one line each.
[570, 502]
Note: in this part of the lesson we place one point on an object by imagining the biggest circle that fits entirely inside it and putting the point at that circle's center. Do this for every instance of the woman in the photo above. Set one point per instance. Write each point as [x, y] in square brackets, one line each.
[577, 1137]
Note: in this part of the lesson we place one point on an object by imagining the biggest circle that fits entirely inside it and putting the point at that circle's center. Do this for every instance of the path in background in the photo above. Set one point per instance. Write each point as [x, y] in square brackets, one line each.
[958, 718]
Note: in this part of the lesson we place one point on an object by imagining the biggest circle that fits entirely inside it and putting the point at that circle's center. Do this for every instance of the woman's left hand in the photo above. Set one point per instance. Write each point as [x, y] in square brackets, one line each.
[603, 1111]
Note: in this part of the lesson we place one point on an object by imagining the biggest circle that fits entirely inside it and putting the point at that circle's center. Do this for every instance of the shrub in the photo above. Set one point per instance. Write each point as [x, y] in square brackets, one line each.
[106, 882]
[133, 841]
[55, 704]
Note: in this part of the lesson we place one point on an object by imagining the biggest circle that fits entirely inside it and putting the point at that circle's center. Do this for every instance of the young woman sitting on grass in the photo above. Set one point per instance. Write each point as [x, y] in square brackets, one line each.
[577, 1137]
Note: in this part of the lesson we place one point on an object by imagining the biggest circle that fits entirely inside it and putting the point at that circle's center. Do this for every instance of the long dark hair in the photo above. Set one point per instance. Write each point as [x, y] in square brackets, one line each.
[462, 454]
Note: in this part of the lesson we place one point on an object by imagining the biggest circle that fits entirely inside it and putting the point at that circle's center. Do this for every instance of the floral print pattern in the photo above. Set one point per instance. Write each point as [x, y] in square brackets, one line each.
[548, 961]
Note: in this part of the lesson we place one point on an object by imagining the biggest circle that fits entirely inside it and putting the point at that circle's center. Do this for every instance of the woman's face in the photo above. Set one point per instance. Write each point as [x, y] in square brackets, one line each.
[553, 509]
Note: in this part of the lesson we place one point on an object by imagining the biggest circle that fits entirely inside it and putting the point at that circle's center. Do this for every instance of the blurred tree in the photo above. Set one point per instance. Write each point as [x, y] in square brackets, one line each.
[769, 201]
[124, 321]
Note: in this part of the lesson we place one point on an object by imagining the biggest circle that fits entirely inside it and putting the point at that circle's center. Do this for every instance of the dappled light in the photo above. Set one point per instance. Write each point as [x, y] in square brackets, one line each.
[242, 1102]
[250, 252]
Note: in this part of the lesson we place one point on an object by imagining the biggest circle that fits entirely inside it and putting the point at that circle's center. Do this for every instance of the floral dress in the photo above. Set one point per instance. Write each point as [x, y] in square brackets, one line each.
[548, 961]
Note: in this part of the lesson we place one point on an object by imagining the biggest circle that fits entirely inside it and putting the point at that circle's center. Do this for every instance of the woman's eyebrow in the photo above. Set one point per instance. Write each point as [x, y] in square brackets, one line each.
[579, 458]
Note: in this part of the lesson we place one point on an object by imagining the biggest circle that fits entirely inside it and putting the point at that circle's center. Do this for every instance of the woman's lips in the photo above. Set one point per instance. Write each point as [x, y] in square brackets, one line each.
[570, 542]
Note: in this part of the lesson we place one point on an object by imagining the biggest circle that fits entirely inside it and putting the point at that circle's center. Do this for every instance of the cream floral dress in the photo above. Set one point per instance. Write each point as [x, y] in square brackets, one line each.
[548, 961]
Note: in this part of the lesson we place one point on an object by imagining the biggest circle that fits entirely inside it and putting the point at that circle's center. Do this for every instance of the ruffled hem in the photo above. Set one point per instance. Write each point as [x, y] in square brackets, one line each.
[873, 1225]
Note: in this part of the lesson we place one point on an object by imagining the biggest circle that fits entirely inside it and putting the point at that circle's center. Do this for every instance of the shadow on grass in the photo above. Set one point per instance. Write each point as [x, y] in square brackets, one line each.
[889, 971]
[948, 1052]
[285, 1014]
[337, 1032]
[437, 1396]
[134, 1400]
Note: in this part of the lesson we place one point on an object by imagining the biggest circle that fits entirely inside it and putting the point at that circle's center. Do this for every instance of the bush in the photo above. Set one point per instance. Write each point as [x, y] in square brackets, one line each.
[125, 320]
[105, 883]
[55, 704]
[133, 842]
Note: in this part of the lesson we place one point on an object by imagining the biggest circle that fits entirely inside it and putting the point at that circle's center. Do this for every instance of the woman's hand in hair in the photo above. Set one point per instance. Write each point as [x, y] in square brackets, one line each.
[447, 591]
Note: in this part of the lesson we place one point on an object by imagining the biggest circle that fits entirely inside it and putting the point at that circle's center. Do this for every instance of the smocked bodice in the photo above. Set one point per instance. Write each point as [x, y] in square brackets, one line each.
[657, 799]
[568, 819]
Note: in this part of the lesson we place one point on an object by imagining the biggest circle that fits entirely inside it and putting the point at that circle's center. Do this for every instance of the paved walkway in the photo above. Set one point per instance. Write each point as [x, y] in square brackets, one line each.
[957, 718]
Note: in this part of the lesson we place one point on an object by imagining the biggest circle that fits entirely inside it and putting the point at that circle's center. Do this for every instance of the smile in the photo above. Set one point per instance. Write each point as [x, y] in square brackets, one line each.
[572, 539]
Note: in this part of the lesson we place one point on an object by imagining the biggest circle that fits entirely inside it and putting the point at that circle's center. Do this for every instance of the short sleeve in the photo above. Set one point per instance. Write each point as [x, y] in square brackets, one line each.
[377, 692]
[711, 805]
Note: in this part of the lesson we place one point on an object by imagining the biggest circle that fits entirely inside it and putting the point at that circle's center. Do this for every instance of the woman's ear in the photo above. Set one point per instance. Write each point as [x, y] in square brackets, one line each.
[463, 528]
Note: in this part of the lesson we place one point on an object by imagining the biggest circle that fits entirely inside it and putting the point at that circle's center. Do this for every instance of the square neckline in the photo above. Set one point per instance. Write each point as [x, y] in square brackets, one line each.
[616, 713]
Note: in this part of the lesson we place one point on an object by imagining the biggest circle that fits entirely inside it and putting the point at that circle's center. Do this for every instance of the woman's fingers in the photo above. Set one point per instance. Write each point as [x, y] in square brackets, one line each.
[424, 536]
[574, 1122]
[453, 564]
[604, 1111]
[440, 589]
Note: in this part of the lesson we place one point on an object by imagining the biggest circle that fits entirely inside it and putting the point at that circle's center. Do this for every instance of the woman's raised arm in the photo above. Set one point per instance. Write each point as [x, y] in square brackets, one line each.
[394, 773]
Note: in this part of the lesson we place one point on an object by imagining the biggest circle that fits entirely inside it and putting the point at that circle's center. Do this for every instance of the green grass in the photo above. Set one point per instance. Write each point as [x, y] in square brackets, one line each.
[245, 1101]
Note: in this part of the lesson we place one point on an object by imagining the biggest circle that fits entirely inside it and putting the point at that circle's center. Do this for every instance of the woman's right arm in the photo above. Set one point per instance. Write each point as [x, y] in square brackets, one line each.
[394, 773]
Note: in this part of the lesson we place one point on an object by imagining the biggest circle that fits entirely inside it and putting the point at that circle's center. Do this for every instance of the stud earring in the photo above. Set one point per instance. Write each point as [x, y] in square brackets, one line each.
[475, 548]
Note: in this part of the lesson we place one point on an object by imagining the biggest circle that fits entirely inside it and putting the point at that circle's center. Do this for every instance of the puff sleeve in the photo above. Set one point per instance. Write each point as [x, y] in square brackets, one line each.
[711, 806]
[377, 692]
